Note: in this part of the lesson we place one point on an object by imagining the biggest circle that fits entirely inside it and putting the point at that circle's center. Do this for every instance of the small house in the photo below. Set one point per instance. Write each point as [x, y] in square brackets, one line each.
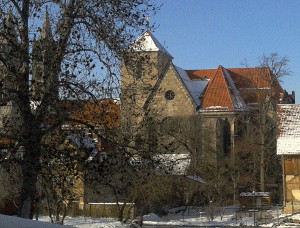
[255, 200]
[288, 147]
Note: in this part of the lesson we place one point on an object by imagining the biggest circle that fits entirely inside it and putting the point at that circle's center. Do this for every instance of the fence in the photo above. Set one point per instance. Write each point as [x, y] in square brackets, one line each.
[97, 210]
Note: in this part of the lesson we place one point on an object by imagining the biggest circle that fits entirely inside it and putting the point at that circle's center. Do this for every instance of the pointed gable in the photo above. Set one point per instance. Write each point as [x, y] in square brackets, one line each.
[171, 81]
[147, 42]
[195, 86]
[217, 95]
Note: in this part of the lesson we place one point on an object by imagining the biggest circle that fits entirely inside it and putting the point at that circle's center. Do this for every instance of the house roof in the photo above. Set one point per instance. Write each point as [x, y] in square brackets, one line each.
[217, 94]
[99, 113]
[147, 42]
[233, 89]
[288, 141]
[258, 194]
[202, 74]
[254, 82]
[221, 93]
[243, 77]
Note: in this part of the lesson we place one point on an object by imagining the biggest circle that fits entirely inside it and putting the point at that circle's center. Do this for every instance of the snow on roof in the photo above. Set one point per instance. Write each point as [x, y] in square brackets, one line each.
[237, 100]
[84, 141]
[218, 107]
[288, 141]
[195, 87]
[34, 104]
[176, 164]
[262, 194]
[197, 179]
[147, 42]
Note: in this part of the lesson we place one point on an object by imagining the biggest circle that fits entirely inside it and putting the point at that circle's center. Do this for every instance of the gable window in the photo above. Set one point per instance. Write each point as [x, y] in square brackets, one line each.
[170, 95]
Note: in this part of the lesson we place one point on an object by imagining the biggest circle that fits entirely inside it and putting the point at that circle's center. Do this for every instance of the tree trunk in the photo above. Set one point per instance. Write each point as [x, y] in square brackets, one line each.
[262, 169]
[263, 147]
[30, 169]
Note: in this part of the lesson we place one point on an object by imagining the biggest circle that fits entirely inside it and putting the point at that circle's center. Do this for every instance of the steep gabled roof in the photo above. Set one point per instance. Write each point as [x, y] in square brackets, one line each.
[217, 95]
[147, 42]
[288, 142]
[245, 86]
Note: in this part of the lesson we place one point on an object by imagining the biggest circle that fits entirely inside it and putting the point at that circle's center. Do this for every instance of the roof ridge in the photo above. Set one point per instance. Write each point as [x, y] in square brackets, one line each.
[227, 85]
[182, 82]
[156, 86]
[237, 100]
[214, 78]
[209, 84]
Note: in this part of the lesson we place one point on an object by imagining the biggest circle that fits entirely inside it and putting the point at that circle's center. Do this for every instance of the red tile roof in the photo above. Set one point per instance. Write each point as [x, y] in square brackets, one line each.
[250, 82]
[217, 95]
[101, 113]
[201, 74]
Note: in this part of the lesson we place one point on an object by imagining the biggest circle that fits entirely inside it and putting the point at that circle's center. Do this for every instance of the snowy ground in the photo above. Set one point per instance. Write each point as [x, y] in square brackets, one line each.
[15, 222]
[176, 217]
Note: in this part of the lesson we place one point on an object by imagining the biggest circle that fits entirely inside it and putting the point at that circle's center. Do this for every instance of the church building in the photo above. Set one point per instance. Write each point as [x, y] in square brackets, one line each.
[202, 112]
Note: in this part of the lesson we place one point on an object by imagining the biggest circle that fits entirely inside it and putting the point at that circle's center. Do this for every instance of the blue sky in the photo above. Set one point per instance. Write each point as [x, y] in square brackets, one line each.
[203, 34]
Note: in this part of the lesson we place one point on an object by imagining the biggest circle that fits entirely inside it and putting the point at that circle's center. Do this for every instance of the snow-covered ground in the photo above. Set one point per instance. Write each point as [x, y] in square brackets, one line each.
[194, 216]
[15, 222]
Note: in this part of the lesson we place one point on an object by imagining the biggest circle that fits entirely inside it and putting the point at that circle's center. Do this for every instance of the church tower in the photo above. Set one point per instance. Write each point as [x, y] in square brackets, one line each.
[8, 48]
[44, 76]
[142, 70]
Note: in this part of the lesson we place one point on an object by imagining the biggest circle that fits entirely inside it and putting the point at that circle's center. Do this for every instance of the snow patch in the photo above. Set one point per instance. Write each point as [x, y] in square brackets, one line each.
[175, 164]
[16, 222]
[197, 178]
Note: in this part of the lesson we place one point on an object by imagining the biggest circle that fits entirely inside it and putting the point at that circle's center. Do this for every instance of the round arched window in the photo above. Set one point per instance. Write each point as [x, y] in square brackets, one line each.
[170, 95]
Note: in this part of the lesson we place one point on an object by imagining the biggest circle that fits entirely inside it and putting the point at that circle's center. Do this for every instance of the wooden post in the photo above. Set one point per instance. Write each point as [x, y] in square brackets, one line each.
[283, 181]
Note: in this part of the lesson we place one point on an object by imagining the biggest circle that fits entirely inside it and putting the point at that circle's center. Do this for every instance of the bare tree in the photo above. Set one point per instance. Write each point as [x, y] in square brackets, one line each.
[46, 62]
[266, 93]
[60, 181]
[277, 64]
